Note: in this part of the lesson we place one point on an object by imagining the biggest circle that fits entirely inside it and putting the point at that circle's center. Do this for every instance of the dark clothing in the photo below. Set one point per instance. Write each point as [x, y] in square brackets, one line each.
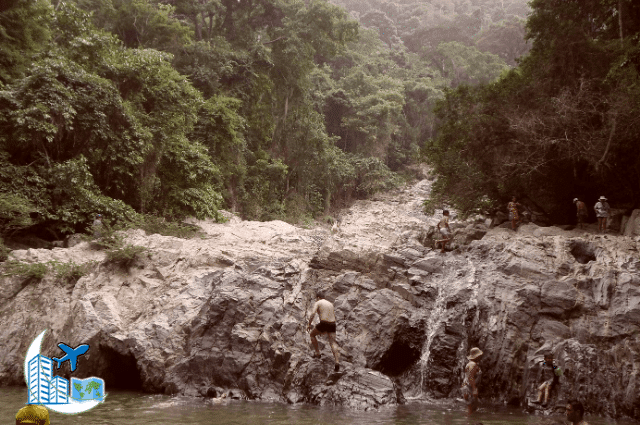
[326, 326]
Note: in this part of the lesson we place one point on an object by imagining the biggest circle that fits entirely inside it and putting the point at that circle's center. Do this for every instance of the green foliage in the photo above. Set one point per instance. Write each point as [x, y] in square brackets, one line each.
[15, 212]
[27, 270]
[126, 255]
[24, 30]
[159, 225]
[4, 251]
[70, 271]
[562, 125]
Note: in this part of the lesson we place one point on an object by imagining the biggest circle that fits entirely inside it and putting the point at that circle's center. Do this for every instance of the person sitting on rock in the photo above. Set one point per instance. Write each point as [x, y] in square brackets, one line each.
[602, 209]
[327, 326]
[512, 207]
[575, 412]
[445, 230]
[472, 374]
[582, 212]
[551, 375]
[32, 414]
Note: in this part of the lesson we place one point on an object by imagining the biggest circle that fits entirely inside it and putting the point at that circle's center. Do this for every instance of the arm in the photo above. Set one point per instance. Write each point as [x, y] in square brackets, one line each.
[313, 314]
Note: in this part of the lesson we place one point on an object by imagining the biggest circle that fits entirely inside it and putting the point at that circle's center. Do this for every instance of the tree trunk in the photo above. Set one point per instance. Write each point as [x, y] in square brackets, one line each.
[196, 24]
[620, 21]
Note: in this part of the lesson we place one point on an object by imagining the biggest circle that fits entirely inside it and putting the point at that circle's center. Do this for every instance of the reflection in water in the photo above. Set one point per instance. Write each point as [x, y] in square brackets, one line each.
[131, 408]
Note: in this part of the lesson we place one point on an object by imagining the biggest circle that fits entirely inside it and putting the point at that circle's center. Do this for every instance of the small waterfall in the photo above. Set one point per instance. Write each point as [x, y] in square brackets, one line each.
[436, 320]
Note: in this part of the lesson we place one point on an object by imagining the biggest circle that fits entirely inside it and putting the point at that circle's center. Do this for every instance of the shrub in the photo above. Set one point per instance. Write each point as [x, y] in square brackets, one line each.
[71, 272]
[152, 224]
[28, 270]
[126, 255]
[4, 251]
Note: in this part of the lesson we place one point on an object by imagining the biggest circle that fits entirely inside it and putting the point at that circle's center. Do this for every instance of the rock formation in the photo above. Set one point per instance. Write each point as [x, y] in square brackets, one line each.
[226, 314]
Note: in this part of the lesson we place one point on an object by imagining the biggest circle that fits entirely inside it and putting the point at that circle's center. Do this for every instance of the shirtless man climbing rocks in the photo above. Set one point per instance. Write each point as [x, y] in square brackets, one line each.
[327, 326]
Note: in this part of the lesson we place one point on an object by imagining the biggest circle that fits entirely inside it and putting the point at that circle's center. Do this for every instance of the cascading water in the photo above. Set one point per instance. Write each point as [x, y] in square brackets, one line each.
[436, 320]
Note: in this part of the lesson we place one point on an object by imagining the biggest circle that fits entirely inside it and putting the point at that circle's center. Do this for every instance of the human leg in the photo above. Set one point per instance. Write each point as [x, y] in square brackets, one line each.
[334, 346]
[540, 392]
[547, 388]
[314, 341]
[604, 224]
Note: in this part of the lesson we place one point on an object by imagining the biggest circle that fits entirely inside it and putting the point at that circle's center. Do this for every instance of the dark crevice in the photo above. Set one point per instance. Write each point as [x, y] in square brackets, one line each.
[582, 251]
[119, 371]
[398, 358]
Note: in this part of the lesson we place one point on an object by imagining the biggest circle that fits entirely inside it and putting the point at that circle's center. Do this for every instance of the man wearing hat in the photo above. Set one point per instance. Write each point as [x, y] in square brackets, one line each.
[32, 414]
[582, 213]
[472, 375]
[602, 212]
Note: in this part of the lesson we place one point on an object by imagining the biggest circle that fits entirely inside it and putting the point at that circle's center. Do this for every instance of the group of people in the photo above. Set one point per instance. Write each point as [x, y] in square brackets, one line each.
[601, 208]
[472, 373]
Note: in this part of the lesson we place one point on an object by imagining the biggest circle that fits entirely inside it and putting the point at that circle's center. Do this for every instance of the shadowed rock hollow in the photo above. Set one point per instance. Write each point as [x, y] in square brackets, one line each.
[227, 313]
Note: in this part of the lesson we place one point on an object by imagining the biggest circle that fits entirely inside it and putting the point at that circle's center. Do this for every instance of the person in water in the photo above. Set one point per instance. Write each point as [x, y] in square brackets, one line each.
[472, 375]
[445, 230]
[327, 327]
[551, 375]
[575, 412]
[33, 414]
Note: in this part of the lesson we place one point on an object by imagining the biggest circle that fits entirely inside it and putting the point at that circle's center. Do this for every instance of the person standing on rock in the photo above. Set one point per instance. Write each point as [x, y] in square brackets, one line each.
[327, 326]
[582, 212]
[445, 230]
[97, 226]
[602, 209]
[512, 207]
[575, 412]
[551, 375]
[472, 374]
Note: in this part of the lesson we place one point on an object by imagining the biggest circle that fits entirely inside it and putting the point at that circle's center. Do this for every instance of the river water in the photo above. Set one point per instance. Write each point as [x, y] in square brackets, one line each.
[134, 408]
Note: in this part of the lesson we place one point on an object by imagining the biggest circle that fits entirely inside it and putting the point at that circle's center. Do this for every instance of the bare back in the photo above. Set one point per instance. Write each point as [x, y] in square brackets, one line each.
[325, 311]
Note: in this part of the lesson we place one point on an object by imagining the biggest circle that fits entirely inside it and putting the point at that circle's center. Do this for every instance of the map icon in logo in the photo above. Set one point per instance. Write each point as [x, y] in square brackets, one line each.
[55, 392]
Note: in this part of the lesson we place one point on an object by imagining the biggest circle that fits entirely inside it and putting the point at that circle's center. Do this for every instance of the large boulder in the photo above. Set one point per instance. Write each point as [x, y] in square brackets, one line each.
[632, 224]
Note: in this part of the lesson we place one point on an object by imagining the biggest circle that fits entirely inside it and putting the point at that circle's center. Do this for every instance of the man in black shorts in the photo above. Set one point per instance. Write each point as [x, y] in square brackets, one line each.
[327, 326]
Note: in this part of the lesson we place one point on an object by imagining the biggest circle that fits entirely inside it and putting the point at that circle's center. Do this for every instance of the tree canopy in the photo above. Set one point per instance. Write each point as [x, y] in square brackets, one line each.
[564, 124]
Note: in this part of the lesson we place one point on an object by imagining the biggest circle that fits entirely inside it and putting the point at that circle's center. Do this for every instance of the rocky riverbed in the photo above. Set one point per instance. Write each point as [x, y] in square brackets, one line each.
[225, 314]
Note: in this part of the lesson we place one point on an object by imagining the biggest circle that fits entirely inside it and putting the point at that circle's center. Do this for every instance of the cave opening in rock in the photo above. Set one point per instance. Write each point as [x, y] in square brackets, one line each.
[400, 356]
[582, 251]
[119, 371]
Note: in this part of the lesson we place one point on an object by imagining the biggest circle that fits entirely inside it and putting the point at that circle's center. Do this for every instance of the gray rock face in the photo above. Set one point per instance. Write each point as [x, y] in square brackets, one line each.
[227, 315]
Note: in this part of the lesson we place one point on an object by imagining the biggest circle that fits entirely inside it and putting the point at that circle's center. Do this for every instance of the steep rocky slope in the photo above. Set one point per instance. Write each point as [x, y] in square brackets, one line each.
[226, 314]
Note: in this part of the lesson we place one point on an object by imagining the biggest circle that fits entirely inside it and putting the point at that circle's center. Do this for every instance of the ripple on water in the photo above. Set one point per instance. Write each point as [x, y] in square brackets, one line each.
[130, 408]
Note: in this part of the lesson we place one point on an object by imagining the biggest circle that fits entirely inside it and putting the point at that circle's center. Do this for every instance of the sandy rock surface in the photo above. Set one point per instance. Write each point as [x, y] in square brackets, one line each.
[227, 313]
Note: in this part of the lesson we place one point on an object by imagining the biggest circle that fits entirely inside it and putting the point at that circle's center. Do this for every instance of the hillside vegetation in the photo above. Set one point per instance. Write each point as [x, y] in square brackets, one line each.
[563, 124]
[174, 108]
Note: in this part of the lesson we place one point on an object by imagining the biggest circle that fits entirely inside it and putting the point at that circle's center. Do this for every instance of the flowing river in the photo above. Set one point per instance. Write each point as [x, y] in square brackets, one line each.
[134, 408]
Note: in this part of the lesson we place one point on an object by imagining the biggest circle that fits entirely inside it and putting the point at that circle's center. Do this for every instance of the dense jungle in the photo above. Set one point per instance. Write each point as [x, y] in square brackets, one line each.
[288, 108]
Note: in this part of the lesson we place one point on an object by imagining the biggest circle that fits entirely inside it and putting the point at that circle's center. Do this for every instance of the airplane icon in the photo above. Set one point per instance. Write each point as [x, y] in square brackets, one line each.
[71, 354]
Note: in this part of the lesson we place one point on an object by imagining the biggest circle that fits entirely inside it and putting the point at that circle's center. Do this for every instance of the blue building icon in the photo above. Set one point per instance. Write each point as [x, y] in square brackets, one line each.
[40, 375]
[60, 390]
[44, 388]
